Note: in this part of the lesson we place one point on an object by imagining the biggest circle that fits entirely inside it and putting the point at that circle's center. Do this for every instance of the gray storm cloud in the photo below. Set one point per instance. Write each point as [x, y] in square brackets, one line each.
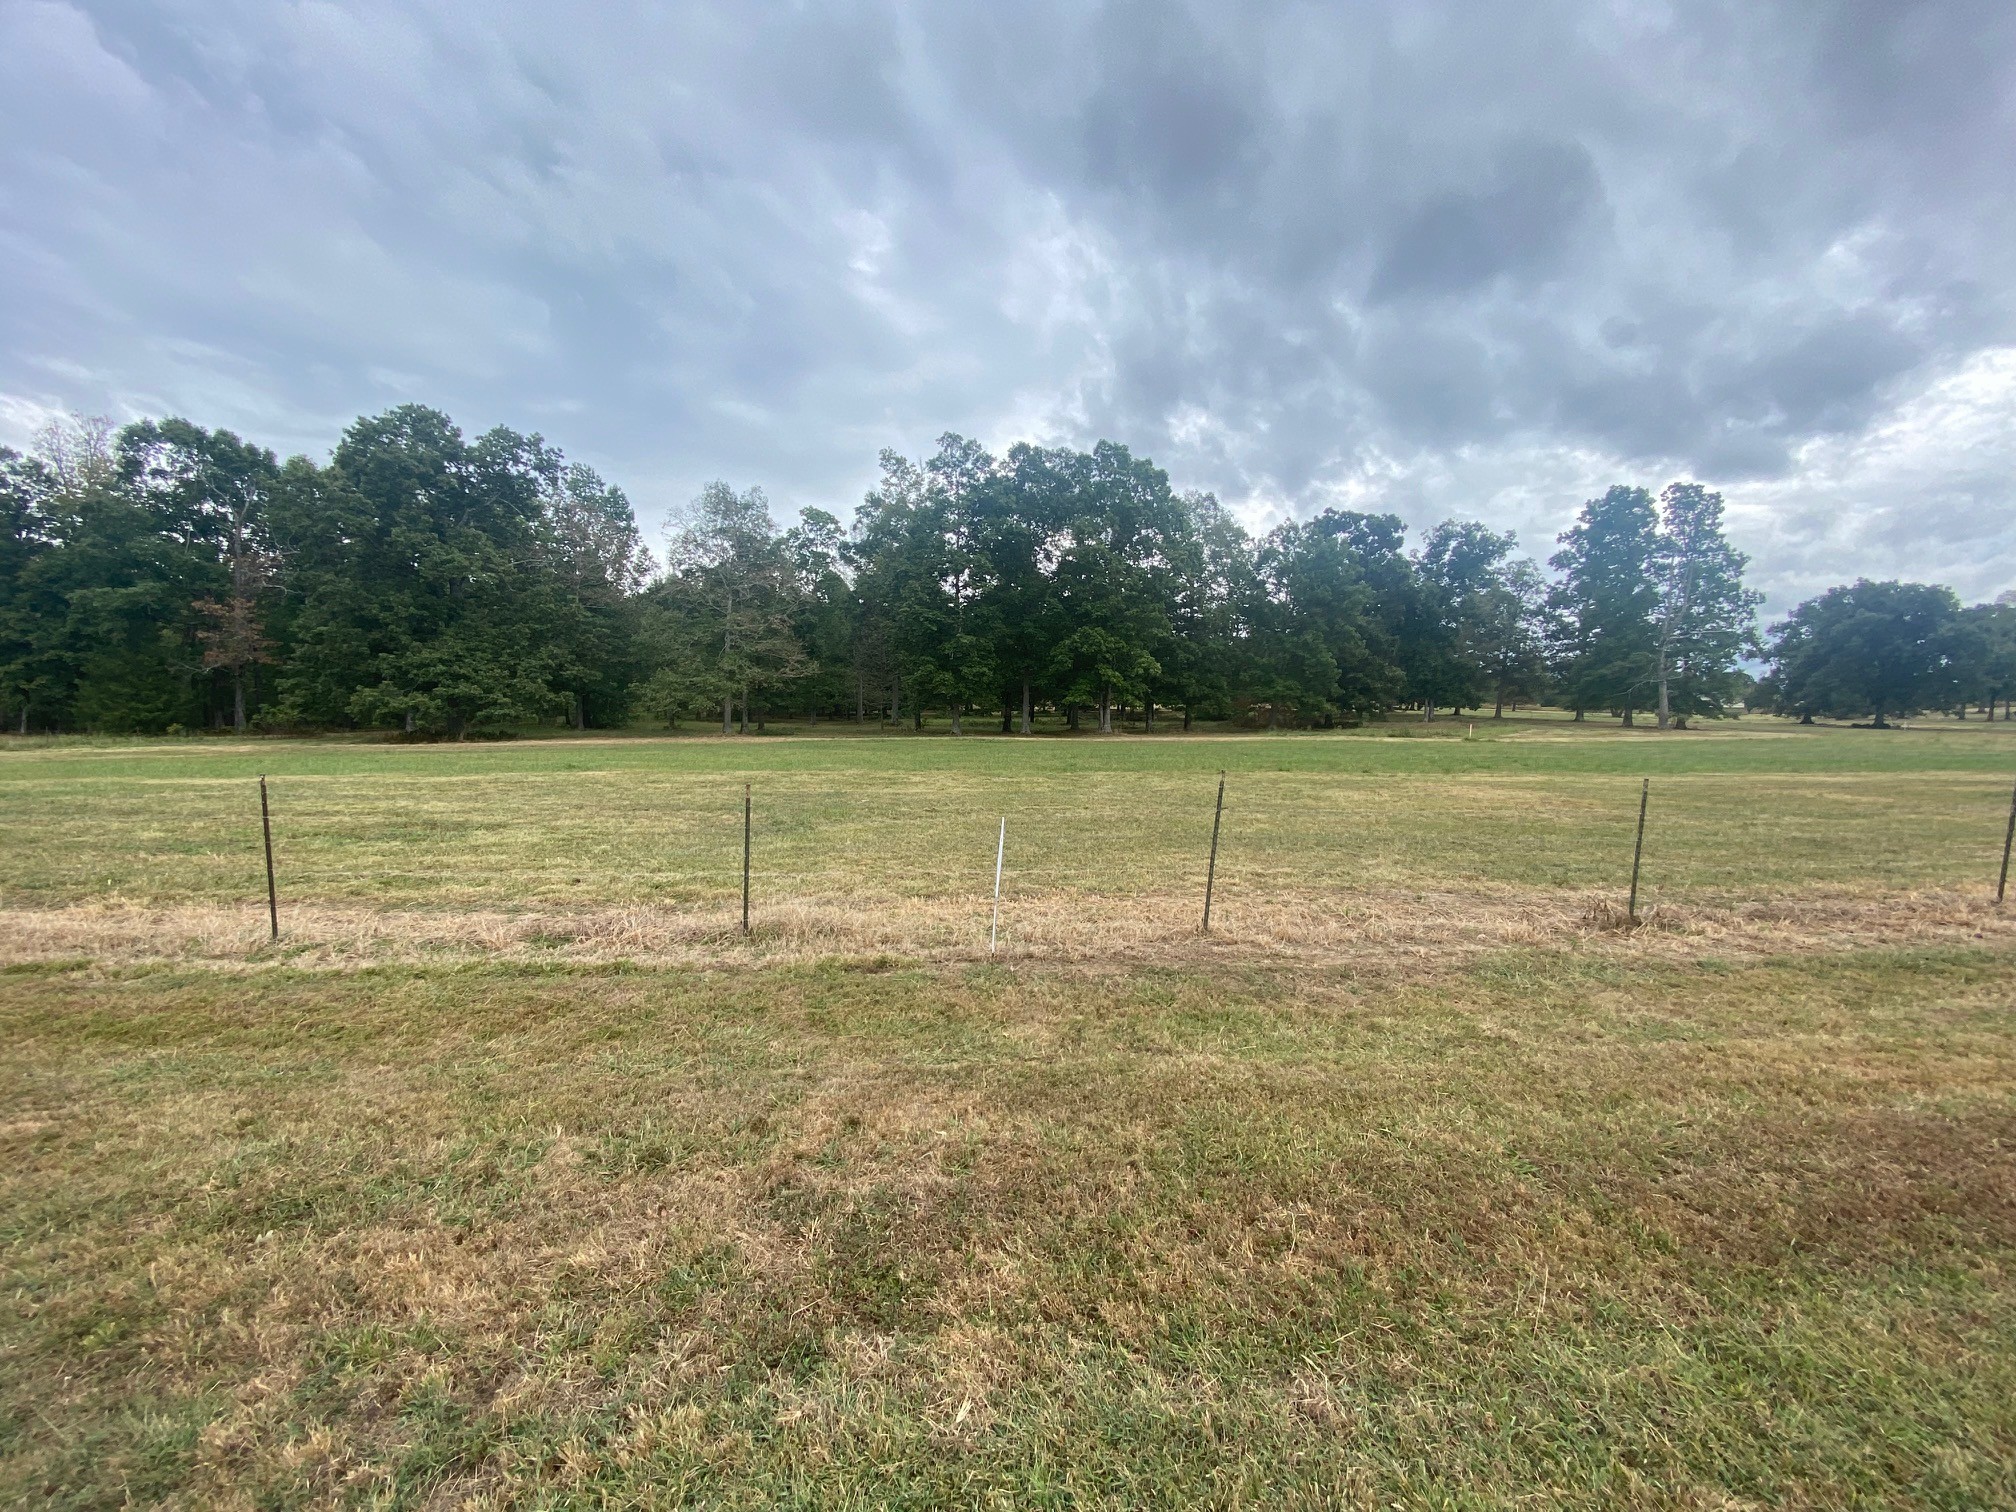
[1434, 258]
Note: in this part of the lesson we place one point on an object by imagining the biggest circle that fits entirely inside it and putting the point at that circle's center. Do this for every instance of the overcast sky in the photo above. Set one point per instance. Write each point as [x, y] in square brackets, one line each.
[1464, 258]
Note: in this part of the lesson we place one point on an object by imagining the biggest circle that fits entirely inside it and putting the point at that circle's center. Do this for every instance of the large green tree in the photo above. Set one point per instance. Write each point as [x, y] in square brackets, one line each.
[1217, 596]
[1309, 619]
[892, 555]
[1986, 654]
[213, 492]
[1115, 583]
[721, 621]
[1604, 603]
[116, 645]
[1704, 619]
[1507, 629]
[1329, 629]
[1023, 522]
[1868, 648]
[953, 628]
[823, 615]
[1460, 624]
[430, 589]
[28, 608]
[591, 564]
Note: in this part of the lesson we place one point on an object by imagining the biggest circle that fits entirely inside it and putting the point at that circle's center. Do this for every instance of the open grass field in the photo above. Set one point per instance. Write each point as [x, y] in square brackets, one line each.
[514, 1175]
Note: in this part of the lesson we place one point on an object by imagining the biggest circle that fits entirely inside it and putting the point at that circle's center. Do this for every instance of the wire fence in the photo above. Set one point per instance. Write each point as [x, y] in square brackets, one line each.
[558, 841]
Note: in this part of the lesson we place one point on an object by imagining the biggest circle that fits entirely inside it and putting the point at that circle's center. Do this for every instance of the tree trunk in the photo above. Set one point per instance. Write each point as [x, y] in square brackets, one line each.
[1499, 712]
[1881, 722]
[1026, 711]
[895, 698]
[1578, 714]
[1148, 717]
[727, 652]
[1186, 719]
[1071, 716]
[860, 700]
[1628, 722]
[238, 699]
[1273, 716]
[1805, 719]
[580, 711]
[1106, 710]
[1665, 707]
[745, 711]
[917, 716]
[1007, 716]
[956, 730]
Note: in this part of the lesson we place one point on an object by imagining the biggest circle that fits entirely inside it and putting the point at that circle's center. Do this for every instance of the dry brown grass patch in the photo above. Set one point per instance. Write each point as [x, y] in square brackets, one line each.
[1303, 926]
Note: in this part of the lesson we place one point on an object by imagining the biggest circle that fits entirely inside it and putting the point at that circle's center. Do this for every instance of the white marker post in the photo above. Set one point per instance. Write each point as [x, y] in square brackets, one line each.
[1000, 850]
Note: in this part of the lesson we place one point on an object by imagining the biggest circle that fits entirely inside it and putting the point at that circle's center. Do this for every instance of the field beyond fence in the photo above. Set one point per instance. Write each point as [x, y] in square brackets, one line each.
[607, 848]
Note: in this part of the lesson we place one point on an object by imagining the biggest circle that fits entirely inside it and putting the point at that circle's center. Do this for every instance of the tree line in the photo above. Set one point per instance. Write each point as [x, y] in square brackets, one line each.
[160, 576]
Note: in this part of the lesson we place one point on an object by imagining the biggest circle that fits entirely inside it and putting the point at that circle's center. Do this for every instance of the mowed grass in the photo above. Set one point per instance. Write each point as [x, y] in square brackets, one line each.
[870, 822]
[1589, 1219]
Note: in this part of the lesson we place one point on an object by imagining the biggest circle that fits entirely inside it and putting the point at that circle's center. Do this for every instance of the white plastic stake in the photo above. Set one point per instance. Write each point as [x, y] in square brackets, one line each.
[1000, 850]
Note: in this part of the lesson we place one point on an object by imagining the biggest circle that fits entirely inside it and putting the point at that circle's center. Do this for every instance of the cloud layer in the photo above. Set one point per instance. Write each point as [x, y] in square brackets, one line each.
[1437, 258]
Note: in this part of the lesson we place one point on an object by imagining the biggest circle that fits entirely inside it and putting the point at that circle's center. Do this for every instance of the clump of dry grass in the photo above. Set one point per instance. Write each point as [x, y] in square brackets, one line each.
[1604, 915]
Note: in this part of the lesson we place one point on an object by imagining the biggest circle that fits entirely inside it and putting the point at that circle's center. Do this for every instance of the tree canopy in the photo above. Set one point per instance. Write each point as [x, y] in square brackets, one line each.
[1873, 649]
[162, 576]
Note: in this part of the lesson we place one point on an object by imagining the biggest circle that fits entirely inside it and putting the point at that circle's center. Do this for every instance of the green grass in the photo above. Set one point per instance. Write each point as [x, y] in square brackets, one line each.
[874, 820]
[1694, 1218]
[1544, 1229]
